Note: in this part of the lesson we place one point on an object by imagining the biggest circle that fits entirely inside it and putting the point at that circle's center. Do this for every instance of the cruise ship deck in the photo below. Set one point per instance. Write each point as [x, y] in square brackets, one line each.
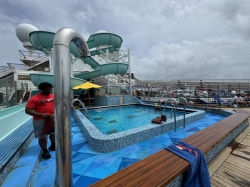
[219, 130]
[37, 172]
[232, 166]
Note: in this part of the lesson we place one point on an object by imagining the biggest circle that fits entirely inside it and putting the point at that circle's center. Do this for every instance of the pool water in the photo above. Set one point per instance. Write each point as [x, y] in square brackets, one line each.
[118, 119]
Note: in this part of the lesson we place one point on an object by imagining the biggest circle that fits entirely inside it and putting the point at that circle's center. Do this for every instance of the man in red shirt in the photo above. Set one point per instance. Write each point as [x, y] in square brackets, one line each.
[41, 107]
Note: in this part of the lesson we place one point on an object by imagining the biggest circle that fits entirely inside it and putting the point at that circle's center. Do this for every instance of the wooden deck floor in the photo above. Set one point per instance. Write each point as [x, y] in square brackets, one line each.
[234, 170]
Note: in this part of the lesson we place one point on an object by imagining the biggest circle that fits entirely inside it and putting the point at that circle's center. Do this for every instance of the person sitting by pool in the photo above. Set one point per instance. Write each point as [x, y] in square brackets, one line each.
[162, 101]
[97, 93]
[159, 119]
[238, 100]
[247, 99]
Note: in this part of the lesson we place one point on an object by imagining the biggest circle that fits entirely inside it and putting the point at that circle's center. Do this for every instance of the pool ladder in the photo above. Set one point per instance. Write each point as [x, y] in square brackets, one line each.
[155, 102]
[83, 107]
[174, 109]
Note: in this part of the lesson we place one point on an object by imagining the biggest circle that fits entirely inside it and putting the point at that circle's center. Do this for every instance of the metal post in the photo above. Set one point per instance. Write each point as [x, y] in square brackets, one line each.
[144, 95]
[51, 68]
[62, 65]
[148, 93]
[184, 115]
[72, 59]
[107, 59]
[175, 106]
[22, 91]
[30, 51]
[27, 87]
[15, 92]
[208, 94]
[7, 93]
[129, 72]
[26, 92]
[248, 86]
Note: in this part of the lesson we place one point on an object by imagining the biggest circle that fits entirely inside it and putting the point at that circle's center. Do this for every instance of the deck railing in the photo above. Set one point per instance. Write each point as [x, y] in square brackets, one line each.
[12, 92]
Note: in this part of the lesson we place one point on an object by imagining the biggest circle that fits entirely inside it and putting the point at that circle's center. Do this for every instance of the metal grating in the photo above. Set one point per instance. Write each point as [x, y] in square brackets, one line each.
[12, 143]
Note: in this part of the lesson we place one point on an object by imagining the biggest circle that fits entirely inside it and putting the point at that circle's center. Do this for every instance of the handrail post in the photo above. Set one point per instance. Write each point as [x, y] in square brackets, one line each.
[184, 110]
[16, 100]
[148, 93]
[184, 117]
[7, 92]
[175, 108]
[21, 93]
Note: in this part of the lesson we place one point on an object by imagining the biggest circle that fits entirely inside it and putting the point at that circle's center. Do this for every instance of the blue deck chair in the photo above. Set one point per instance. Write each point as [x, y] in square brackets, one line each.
[222, 102]
[223, 93]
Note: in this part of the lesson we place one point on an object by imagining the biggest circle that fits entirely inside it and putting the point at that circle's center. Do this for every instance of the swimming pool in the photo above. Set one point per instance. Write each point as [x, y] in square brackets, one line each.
[90, 166]
[111, 142]
[118, 119]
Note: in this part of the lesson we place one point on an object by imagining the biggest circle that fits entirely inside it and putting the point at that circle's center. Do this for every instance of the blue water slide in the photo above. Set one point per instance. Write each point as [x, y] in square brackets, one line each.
[113, 43]
[43, 41]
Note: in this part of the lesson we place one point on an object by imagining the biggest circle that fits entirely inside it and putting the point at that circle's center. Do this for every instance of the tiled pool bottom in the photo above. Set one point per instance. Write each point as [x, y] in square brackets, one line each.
[90, 166]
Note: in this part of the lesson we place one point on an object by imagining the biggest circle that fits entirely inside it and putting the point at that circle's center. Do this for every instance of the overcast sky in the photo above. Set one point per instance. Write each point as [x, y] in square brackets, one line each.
[192, 39]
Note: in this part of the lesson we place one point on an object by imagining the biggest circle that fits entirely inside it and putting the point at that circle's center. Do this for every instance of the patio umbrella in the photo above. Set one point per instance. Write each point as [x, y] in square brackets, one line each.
[86, 86]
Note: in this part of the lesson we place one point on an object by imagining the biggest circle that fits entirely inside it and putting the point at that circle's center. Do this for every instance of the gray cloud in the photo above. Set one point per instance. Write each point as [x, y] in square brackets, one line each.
[168, 39]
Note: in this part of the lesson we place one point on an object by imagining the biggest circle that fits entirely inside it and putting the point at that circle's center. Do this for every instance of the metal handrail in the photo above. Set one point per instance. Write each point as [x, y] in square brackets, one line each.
[21, 53]
[36, 62]
[184, 111]
[143, 93]
[173, 109]
[83, 106]
[5, 70]
[155, 101]
[32, 64]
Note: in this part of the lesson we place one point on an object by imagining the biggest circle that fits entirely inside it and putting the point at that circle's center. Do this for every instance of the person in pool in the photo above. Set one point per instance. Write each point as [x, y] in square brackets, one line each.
[159, 119]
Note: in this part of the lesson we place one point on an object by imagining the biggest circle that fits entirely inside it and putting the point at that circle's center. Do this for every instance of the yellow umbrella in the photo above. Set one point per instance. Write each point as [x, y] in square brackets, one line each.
[87, 85]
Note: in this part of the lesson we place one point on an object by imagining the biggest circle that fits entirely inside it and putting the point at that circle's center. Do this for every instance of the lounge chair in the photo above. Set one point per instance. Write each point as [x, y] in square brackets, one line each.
[223, 93]
[222, 102]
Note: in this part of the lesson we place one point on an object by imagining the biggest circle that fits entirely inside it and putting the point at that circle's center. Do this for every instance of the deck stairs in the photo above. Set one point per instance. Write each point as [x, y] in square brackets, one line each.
[32, 59]
[6, 71]
[29, 65]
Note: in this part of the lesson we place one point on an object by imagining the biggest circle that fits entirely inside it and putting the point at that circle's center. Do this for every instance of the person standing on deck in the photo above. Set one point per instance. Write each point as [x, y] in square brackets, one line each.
[201, 84]
[179, 84]
[41, 107]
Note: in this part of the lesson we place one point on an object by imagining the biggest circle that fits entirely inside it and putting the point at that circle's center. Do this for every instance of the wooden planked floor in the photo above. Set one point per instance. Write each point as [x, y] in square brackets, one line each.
[235, 170]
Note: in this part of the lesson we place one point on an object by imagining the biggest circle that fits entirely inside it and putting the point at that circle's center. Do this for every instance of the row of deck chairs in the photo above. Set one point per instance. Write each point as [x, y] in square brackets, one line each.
[221, 93]
[224, 94]
[227, 100]
[219, 101]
